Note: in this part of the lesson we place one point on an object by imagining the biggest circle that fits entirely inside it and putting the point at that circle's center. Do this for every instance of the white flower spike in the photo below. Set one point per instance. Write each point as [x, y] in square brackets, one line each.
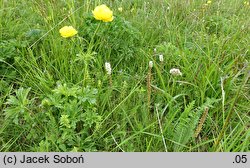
[108, 68]
[150, 64]
[161, 57]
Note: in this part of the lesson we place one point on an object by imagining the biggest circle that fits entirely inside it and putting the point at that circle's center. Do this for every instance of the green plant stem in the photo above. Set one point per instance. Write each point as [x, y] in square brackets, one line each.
[149, 87]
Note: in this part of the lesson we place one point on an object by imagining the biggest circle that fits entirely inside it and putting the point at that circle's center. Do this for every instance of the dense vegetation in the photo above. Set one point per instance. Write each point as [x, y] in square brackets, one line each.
[56, 95]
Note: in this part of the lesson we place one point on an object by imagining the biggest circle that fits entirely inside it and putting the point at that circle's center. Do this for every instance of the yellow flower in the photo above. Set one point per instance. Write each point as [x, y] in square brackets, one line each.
[209, 2]
[67, 31]
[120, 9]
[103, 13]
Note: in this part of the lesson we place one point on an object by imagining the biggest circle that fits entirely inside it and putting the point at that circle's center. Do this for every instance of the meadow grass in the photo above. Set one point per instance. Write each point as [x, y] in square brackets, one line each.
[55, 94]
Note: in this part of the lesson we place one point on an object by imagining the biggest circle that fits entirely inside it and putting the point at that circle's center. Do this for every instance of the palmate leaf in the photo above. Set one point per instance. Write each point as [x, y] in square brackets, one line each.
[17, 105]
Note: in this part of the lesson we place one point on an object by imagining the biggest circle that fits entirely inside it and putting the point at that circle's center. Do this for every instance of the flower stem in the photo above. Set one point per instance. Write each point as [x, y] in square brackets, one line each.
[149, 86]
[110, 80]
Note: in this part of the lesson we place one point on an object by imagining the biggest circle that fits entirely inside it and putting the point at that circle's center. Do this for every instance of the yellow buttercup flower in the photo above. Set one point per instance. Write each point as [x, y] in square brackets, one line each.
[67, 31]
[103, 13]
